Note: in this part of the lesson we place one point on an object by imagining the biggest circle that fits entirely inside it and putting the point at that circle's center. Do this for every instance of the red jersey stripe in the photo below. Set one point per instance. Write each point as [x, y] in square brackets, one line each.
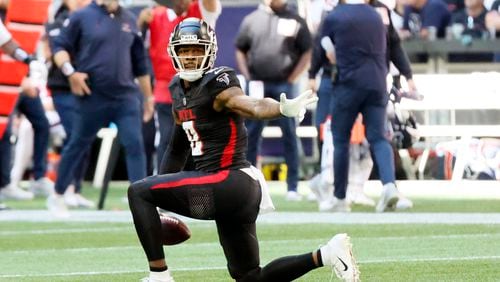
[228, 154]
[209, 179]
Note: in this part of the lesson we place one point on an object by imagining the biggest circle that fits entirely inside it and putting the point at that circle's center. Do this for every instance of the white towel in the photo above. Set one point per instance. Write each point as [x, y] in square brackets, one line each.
[266, 203]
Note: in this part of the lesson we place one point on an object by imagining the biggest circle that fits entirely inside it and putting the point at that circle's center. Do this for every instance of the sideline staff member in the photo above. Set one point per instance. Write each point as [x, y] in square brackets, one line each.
[103, 41]
[360, 39]
[274, 45]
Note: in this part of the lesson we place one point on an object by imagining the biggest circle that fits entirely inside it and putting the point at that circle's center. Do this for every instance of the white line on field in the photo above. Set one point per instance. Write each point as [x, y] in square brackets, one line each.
[262, 242]
[274, 218]
[389, 260]
[64, 231]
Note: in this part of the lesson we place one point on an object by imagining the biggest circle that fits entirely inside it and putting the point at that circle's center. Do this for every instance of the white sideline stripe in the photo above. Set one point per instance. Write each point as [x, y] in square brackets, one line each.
[263, 242]
[63, 231]
[391, 260]
[273, 218]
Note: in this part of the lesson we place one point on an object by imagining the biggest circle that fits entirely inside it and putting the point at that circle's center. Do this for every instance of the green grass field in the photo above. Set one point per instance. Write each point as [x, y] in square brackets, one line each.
[97, 251]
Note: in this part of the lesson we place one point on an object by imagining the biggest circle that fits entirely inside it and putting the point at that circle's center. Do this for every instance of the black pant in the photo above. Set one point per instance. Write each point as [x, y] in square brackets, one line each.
[231, 198]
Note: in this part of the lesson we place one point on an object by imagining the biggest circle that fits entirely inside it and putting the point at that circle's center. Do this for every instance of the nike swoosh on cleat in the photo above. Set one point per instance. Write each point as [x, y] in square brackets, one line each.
[345, 265]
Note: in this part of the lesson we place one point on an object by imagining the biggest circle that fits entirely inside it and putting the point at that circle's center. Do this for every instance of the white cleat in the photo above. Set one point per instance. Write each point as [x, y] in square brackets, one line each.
[337, 253]
[388, 198]
[42, 187]
[159, 277]
[56, 206]
[13, 192]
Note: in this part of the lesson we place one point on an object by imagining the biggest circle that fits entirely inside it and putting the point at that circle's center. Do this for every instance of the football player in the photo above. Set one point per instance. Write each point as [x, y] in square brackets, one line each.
[209, 107]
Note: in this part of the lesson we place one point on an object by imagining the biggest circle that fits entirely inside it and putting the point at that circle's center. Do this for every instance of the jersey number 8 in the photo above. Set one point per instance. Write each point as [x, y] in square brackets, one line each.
[192, 135]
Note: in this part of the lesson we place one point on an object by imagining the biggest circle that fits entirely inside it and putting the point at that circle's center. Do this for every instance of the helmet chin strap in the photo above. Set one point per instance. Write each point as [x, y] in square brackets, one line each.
[191, 75]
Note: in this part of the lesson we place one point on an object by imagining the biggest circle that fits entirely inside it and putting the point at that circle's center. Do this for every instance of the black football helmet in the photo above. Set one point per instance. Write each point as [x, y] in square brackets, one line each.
[193, 31]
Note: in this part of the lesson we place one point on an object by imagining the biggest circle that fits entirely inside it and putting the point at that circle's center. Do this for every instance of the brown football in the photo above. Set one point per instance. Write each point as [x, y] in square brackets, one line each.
[173, 230]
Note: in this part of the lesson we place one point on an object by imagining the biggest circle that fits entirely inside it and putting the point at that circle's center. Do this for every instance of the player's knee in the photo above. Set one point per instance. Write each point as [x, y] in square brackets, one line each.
[135, 190]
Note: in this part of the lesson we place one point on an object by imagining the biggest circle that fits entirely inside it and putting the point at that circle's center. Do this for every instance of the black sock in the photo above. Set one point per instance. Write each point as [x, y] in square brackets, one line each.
[158, 269]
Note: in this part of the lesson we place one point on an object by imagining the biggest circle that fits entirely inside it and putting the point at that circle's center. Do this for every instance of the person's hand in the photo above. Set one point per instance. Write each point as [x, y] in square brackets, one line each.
[78, 83]
[145, 17]
[411, 85]
[37, 69]
[492, 20]
[296, 107]
[149, 108]
[27, 88]
[404, 34]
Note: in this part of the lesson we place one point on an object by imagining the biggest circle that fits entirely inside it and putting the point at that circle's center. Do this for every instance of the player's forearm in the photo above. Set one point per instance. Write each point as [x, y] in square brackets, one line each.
[61, 57]
[10, 47]
[262, 109]
[13, 49]
[177, 152]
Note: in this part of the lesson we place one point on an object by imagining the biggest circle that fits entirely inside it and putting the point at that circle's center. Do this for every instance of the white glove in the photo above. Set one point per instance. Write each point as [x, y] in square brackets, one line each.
[38, 70]
[297, 107]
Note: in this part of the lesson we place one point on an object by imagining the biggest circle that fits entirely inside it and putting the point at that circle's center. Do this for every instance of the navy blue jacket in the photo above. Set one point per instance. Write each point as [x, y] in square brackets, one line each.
[106, 46]
[360, 40]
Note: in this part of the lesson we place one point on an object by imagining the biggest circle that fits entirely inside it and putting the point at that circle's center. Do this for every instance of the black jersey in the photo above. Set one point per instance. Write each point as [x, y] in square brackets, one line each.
[218, 139]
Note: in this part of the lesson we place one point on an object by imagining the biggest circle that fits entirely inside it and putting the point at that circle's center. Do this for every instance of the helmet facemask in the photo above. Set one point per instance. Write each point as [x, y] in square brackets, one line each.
[192, 32]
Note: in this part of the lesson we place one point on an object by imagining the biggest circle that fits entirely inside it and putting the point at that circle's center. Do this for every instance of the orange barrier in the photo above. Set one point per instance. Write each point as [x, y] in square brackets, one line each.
[28, 11]
[26, 35]
[8, 96]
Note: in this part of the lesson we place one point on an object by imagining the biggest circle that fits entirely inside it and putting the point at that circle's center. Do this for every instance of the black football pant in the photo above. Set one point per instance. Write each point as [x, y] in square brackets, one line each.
[231, 198]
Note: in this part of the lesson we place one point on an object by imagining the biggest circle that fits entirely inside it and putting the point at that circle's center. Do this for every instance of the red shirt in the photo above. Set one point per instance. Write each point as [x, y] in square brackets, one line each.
[162, 25]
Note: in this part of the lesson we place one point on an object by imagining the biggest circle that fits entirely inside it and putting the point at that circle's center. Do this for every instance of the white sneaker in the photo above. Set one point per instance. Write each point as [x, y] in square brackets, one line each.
[335, 205]
[388, 198]
[42, 187]
[404, 203]
[315, 186]
[70, 197]
[82, 202]
[13, 192]
[360, 198]
[356, 195]
[337, 253]
[311, 197]
[293, 196]
[56, 205]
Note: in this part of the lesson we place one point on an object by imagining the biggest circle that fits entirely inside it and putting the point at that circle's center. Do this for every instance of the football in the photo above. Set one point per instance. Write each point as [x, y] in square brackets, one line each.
[173, 230]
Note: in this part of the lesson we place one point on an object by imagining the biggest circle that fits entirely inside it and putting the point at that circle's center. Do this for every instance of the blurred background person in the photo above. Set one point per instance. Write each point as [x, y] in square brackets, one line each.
[65, 102]
[472, 19]
[273, 48]
[425, 19]
[106, 62]
[30, 105]
[492, 21]
[7, 189]
[360, 88]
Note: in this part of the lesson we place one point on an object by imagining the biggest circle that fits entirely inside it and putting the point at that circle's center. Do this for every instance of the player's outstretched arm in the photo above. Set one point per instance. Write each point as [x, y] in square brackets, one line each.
[235, 100]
